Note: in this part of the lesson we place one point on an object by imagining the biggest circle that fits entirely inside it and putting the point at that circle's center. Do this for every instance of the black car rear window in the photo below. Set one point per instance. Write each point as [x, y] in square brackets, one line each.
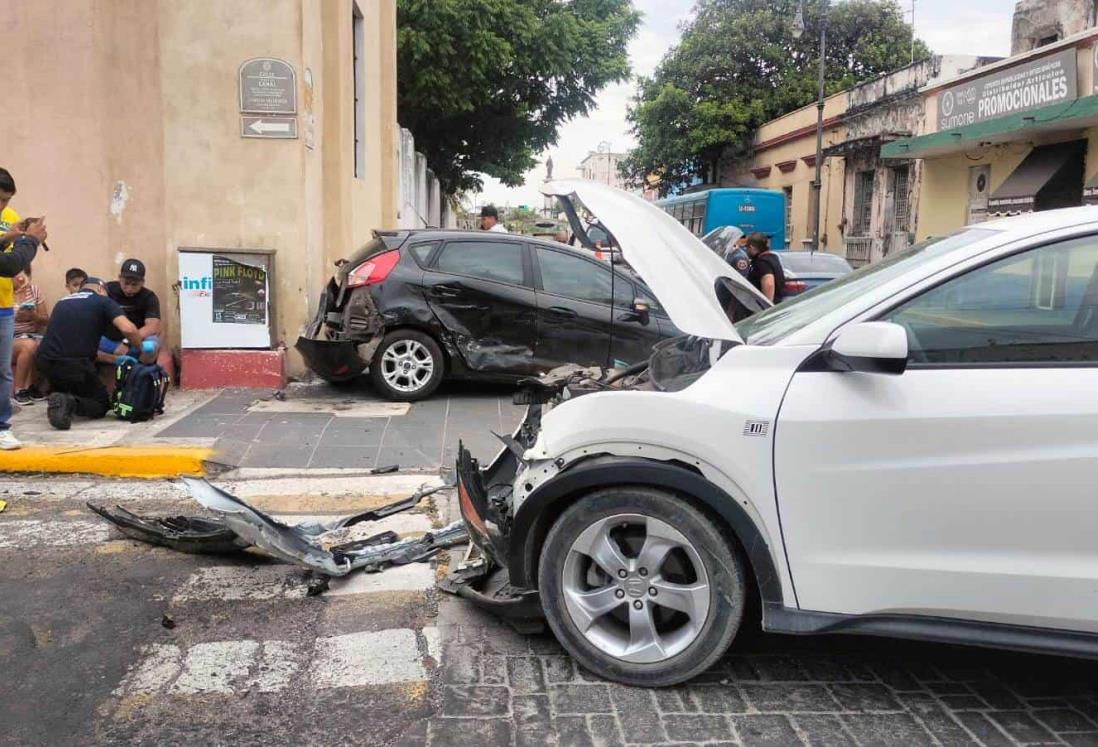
[422, 251]
[491, 260]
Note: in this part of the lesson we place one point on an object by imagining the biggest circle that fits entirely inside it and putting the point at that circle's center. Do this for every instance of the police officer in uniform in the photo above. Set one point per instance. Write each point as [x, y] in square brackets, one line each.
[66, 356]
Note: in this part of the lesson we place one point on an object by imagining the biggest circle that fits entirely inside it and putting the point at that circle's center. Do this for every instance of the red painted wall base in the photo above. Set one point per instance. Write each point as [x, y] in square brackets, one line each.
[217, 369]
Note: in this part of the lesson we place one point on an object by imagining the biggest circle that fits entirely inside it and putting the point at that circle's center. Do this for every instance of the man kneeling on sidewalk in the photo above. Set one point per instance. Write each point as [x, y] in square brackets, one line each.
[66, 356]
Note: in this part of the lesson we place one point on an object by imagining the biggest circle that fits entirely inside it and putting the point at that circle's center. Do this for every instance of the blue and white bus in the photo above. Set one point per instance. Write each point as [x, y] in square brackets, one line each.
[746, 208]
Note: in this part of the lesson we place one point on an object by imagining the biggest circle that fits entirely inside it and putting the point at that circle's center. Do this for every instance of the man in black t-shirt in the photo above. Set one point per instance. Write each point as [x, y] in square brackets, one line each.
[142, 307]
[766, 269]
[66, 356]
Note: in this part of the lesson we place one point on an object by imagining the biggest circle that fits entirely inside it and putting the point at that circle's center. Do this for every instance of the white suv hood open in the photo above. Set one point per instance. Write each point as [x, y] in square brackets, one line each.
[676, 265]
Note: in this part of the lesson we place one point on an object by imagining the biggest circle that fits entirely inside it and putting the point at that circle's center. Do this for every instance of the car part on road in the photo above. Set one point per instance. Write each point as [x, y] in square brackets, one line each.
[480, 581]
[387, 469]
[238, 526]
[188, 534]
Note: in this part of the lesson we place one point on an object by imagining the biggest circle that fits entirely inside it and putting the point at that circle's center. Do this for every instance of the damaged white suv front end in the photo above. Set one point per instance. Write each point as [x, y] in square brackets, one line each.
[652, 424]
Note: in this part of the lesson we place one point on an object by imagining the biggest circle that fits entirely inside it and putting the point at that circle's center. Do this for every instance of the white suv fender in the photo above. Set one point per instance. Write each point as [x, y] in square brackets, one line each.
[712, 441]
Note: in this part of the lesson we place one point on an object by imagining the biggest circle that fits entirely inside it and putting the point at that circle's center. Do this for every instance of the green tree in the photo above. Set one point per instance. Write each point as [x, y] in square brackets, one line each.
[484, 85]
[521, 220]
[737, 65]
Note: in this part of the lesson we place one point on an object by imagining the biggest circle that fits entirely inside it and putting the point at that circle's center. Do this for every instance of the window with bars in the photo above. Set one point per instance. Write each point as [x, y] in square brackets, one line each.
[901, 200]
[863, 203]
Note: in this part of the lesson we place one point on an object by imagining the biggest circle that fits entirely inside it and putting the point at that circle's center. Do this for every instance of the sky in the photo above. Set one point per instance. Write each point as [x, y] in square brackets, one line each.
[979, 27]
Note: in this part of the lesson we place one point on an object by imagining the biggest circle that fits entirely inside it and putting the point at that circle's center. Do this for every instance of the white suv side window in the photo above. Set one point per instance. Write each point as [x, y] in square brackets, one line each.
[1037, 307]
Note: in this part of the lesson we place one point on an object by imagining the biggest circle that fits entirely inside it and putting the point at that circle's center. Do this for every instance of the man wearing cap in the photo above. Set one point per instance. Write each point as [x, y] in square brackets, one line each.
[142, 307]
[489, 220]
[67, 353]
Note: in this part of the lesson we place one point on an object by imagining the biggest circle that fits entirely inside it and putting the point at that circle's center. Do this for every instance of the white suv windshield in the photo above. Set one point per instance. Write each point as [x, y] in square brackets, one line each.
[789, 316]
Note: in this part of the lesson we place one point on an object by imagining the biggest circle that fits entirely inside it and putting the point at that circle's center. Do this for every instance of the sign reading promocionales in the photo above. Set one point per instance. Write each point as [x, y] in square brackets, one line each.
[1048, 80]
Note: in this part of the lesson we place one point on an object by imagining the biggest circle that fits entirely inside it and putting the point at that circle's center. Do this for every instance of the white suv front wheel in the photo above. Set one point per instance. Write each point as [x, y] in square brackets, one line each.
[640, 586]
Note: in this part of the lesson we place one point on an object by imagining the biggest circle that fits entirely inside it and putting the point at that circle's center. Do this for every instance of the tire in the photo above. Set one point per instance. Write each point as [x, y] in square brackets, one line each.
[416, 349]
[611, 647]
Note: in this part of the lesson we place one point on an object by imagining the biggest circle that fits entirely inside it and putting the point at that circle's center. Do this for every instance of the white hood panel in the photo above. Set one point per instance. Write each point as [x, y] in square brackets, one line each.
[680, 269]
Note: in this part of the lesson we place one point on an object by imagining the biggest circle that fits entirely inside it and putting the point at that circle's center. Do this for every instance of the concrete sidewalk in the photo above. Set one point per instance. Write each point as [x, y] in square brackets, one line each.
[308, 427]
[109, 446]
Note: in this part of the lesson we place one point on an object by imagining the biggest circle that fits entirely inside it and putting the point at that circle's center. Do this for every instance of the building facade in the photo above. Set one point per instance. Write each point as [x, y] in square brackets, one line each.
[603, 166]
[869, 206]
[1016, 136]
[148, 131]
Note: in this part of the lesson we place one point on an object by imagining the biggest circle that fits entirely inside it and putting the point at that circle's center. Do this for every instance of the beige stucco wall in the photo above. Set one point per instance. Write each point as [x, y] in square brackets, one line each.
[88, 120]
[792, 137]
[132, 144]
[943, 197]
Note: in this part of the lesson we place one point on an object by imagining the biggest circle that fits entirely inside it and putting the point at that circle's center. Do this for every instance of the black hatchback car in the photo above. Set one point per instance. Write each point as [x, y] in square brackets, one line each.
[414, 307]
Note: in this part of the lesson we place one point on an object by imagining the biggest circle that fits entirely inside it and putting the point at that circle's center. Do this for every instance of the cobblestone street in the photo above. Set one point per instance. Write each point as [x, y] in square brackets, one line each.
[501, 688]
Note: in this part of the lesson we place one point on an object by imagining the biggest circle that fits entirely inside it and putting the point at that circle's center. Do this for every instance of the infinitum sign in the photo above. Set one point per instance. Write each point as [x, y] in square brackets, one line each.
[1048, 80]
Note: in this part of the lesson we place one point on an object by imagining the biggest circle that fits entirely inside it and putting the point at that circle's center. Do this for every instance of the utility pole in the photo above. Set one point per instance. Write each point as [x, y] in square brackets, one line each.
[798, 31]
[912, 32]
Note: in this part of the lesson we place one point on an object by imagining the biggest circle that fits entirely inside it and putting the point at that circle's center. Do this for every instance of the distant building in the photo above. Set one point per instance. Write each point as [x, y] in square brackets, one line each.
[1038, 23]
[604, 167]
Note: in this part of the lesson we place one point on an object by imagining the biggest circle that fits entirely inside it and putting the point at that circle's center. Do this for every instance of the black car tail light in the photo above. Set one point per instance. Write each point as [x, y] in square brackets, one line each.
[373, 270]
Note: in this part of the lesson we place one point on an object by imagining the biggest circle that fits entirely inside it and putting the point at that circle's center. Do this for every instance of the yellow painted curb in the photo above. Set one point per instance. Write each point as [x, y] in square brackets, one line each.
[111, 461]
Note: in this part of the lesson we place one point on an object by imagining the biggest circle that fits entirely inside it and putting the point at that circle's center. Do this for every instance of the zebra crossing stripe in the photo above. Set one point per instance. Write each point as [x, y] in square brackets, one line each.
[28, 533]
[226, 667]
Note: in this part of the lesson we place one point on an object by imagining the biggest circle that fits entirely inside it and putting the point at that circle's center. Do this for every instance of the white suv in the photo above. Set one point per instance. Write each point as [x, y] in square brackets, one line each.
[910, 450]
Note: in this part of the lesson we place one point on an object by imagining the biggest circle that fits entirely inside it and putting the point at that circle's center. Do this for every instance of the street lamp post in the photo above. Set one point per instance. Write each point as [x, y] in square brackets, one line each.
[798, 31]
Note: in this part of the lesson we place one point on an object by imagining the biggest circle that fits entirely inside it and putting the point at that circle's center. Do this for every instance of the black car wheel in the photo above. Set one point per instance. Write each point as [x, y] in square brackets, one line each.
[641, 587]
[407, 366]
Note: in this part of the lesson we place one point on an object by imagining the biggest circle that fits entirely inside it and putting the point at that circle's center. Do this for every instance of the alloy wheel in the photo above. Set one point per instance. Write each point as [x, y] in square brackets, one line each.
[407, 365]
[636, 588]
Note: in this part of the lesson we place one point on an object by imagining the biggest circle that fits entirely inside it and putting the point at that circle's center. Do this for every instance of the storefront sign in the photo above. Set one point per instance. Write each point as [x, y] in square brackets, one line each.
[267, 86]
[1044, 81]
[224, 299]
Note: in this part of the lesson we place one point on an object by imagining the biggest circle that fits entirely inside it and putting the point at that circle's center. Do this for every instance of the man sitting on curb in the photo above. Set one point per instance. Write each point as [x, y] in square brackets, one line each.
[142, 307]
[67, 354]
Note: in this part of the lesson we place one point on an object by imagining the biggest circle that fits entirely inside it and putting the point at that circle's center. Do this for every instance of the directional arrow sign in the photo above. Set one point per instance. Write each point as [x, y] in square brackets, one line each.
[268, 127]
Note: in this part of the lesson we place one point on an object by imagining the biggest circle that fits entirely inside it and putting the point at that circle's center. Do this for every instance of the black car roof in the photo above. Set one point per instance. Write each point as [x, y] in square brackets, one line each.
[398, 237]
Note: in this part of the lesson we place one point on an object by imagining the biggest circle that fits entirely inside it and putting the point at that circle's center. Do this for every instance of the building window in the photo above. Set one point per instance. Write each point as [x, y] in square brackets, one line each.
[901, 200]
[863, 203]
[358, 42]
[1044, 41]
[788, 192]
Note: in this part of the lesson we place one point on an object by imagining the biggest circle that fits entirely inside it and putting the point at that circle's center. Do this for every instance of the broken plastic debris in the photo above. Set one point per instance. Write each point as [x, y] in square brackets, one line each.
[238, 526]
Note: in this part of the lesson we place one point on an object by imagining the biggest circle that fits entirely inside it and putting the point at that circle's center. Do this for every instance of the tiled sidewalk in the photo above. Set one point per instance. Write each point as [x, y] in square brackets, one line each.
[340, 428]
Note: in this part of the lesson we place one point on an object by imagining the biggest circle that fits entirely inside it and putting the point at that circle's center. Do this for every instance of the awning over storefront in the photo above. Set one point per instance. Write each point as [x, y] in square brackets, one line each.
[1064, 116]
[1090, 191]
[1019, 192]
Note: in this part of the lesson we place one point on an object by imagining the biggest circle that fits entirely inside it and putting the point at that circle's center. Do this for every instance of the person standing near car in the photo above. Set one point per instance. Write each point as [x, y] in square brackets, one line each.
[766, 269]
[489, 220]
[738, 258]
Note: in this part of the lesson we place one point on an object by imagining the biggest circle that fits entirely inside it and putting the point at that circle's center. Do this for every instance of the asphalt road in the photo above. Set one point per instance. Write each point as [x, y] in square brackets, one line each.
[383, 659]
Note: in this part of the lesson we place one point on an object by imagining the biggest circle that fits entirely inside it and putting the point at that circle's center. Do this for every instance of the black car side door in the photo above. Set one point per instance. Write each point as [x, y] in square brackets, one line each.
[635, 332]
[573, 299]
[481, 291]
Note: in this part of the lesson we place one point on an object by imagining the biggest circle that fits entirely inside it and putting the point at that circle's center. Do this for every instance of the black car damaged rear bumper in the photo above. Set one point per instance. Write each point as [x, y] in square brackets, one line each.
[333, 360]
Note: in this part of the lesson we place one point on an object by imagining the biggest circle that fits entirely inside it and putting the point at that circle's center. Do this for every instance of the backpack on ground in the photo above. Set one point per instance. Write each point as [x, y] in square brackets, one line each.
[139, 391]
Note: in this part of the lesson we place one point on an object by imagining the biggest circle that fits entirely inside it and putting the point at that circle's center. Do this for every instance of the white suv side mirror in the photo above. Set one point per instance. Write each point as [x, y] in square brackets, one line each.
[870, 347]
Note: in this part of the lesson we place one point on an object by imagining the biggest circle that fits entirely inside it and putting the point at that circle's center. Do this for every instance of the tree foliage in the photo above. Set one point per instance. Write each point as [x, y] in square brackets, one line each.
[484, 85]
[738, 65]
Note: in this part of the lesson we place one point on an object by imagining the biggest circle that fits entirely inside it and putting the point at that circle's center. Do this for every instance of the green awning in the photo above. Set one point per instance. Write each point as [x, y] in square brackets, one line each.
[1066, 115]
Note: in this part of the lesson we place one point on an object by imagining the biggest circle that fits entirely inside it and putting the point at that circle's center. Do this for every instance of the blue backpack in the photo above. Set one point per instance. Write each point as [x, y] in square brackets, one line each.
[139, 390]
